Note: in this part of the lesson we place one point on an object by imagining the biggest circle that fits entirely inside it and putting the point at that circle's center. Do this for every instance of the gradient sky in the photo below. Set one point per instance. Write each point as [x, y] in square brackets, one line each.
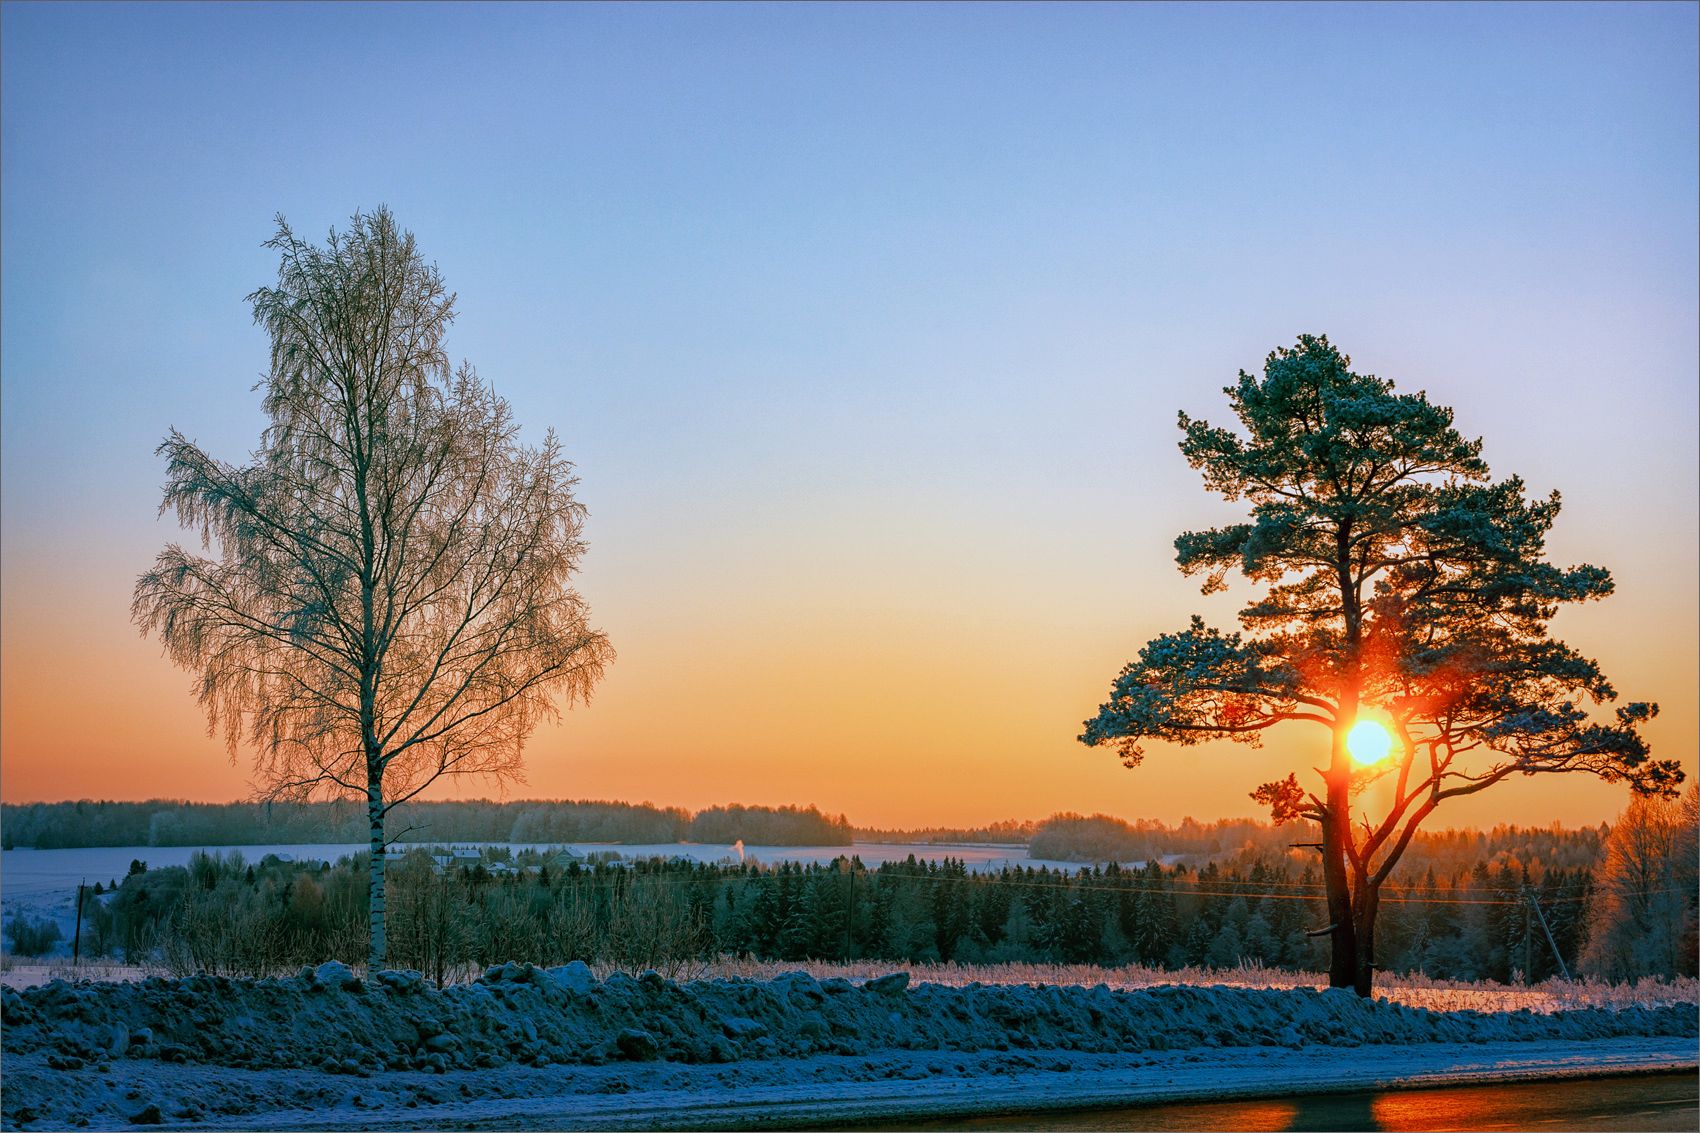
[867, 328]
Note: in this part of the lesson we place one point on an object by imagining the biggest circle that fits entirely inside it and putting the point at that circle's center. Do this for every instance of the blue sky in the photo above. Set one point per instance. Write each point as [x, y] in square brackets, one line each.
[867, 327]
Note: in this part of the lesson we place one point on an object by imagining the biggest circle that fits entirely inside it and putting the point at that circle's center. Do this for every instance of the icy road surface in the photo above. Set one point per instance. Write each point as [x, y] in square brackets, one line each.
[893, 1086]
[1630, 1103]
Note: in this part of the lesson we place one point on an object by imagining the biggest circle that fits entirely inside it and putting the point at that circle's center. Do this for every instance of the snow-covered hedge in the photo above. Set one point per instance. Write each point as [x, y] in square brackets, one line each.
[330, 1019]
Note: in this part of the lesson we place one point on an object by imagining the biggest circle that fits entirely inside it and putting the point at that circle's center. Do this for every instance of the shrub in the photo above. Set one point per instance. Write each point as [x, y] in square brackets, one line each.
[31, 937]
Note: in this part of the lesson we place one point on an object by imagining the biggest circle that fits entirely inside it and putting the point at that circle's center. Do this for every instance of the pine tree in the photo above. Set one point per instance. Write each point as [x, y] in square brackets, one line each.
[992, 903]
[1156, 916]
[1402, 588]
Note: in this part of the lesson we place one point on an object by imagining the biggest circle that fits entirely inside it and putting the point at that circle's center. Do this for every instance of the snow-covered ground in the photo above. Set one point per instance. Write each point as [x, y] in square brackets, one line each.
[42, 884]
[1410, 988]
[784, 1094]
[559, 1048]
[27, 873]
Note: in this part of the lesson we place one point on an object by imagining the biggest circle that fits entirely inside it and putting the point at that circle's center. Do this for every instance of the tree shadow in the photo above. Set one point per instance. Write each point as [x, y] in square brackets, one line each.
[1333, 1112]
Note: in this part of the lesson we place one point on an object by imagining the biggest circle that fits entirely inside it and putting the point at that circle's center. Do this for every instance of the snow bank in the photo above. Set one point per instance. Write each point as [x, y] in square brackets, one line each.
[326, 1048]
[329, 1019]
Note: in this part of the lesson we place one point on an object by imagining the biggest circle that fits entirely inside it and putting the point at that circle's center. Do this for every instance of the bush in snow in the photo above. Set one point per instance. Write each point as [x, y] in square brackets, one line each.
[28, 936]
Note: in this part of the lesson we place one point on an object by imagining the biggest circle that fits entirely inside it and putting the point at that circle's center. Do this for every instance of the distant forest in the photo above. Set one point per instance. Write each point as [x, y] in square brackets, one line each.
[1471, 921]
[1619, 904]
[167, 822]
[1101, 838]
[1062, 837]
[1008, 833]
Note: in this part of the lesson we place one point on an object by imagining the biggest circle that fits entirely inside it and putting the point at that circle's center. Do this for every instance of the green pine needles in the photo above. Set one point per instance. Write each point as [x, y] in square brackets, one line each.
[1398, 582]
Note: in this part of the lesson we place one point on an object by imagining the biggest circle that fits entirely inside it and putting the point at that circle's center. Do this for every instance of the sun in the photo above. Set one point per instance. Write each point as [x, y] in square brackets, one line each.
[1368, 742]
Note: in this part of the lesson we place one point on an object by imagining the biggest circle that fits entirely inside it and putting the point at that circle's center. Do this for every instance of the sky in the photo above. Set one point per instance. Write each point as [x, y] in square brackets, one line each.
[866, 328]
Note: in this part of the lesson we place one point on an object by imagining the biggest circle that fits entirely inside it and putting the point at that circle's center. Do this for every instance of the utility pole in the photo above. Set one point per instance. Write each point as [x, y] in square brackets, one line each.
[1528, 955]
[1562, 970]
[77, 933]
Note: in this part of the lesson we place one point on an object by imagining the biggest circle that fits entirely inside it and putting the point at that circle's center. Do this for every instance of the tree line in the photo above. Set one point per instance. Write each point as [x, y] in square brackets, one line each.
[1101, 838]
[1063, 837]
[1506, 921]
[166, 822]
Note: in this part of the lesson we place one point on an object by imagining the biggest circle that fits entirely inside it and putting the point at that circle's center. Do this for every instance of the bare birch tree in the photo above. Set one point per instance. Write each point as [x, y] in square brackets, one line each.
[1641, 914]
[389, 601]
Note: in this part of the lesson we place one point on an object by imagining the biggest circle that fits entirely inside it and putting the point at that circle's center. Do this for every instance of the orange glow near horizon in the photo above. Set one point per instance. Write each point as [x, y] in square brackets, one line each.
[896, 715]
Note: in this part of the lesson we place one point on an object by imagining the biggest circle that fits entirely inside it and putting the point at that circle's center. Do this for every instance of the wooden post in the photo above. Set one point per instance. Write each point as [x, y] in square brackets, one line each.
[1529, 950]
[77, 934]
[1562, 970]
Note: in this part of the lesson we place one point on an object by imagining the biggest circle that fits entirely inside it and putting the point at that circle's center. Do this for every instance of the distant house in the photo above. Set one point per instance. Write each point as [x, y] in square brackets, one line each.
[458, 858]
[291, 859]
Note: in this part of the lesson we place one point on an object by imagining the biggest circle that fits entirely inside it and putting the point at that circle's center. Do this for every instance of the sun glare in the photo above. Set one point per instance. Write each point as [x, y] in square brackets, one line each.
[1368, 742]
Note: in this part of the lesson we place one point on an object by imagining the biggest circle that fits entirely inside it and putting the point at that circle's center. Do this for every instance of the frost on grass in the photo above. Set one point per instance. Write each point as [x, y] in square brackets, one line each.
[1410, 989]
[326, 1046]
[331, 1019]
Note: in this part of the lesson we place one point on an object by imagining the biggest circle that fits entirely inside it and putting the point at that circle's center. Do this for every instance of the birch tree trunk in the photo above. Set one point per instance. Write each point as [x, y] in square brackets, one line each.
[375, 949]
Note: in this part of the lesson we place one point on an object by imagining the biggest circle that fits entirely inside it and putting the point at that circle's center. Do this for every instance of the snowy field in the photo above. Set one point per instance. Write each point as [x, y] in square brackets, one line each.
[30, 873]
[43, 883]
[559, 1048]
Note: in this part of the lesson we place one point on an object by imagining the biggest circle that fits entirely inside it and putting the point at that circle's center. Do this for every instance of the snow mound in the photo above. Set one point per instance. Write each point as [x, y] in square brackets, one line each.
[328, 1018]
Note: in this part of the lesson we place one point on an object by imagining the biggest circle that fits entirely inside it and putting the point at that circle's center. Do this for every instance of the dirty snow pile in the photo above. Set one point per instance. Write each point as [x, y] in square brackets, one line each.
[328, 1020]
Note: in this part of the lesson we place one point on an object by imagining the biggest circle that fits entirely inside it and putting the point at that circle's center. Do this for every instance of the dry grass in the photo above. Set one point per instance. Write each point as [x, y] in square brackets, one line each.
[1415, 991]
[19, 973]
[1412, 990]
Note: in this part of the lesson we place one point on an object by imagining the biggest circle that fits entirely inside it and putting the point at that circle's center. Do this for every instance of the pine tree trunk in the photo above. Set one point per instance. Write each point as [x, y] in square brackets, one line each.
[375, 950]
[1363, 932]
[1336, 836]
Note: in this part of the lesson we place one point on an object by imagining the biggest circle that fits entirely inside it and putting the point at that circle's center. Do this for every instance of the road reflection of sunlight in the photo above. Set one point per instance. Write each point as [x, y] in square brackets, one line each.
[1429, 1109]
[1662, 1101]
